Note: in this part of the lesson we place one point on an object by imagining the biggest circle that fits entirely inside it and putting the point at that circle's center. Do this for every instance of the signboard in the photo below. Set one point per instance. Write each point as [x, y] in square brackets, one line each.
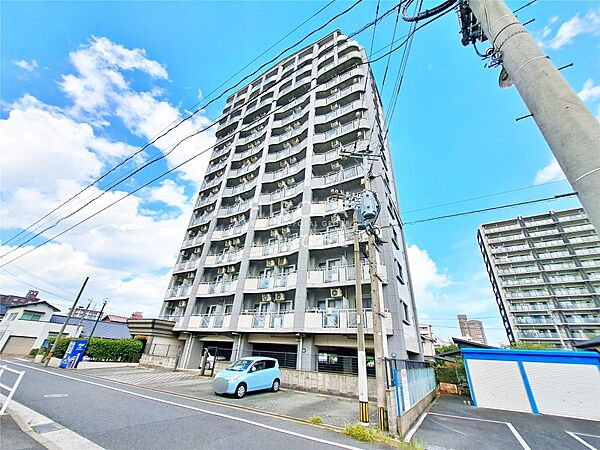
[405, 393]
[74, 353]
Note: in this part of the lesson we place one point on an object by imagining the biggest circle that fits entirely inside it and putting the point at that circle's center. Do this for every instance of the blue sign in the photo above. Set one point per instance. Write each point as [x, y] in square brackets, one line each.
[74, 353]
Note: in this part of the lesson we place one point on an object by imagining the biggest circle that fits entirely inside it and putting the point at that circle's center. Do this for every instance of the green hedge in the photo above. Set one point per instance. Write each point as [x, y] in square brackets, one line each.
[99, 349]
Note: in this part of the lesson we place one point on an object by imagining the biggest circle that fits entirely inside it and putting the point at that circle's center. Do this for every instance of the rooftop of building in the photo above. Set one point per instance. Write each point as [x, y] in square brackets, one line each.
[108, 330]
[535, 216]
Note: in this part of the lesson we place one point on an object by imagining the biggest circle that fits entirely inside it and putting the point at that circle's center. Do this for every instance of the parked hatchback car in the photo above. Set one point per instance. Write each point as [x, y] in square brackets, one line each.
[248, 374]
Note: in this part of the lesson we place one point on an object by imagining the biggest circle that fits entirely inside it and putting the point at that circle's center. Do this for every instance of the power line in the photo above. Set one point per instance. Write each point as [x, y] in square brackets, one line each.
[14, 277]
[493, 208]
[193, 113]
[482, 196]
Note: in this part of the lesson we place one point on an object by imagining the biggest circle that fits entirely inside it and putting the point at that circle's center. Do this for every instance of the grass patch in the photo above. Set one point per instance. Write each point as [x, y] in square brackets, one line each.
[315, 420]
[372, 434]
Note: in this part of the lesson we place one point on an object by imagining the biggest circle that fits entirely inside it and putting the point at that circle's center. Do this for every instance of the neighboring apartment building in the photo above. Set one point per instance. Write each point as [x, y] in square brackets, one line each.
[267, 264]
[429, 341]
[8, 300]
[545, 274]
[471, 329]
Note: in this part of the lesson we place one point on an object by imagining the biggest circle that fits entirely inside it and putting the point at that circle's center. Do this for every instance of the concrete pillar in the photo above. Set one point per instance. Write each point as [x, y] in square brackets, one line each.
[307, 354]
[241, 347]
[192, 352]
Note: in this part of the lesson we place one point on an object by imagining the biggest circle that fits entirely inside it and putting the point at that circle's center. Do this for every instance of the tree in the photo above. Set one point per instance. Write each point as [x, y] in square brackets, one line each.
[446, 348]
[531, 346]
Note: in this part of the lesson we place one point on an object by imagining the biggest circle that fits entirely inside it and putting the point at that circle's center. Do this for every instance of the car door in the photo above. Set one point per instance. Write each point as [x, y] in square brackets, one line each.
[254, 380]
[271, 373]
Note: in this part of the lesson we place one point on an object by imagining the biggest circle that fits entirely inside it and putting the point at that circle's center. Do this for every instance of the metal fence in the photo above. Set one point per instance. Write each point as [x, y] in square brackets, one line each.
[412, 381]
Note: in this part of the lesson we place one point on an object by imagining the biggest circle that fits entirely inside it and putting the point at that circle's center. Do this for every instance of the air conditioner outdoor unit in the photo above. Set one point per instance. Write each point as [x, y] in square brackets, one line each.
[267, 297]
[335, 219]
[286, 230]
[228, 243]
[281, 184]
[286, 145]
[220, 172]
[288, 128]
[287, 204]
[290, 181]
[298, 108]
[293, 160]
[233, 220]
[236, 241]
[336, 166]
[335, 144]
[334, 124]
[295, 141]
[296, 124]
[197, 250]
[270, 263]
[274, 233]
[282, 261]
[334, 90]
[335, 292]
[181, 303]
[279, 297]
[215, 190]
[220, 270]
[250, 176]
[211, 208]
[283, 163]
[204, 228]
[254, 159]
[334, 106]
[230, 269]
[243, 179]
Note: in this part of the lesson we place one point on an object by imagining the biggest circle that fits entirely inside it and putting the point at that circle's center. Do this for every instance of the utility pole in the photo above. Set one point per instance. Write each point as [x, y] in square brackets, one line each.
[87, 308]
[569, 128]
[62, 329]
[363, 387]
[97, 319]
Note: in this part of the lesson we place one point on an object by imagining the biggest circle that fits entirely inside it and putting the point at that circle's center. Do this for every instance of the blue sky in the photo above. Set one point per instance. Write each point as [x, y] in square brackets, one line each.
[84, 84]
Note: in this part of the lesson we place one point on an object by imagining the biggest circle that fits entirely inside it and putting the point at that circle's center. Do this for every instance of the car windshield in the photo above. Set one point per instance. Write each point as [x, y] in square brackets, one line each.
[241, 365]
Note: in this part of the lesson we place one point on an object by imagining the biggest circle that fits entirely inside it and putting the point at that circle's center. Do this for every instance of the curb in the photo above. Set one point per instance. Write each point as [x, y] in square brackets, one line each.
[335, 428]
[57, 437]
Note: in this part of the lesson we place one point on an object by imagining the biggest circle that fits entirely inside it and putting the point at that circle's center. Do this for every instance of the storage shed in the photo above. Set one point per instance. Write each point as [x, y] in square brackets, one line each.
[561, 383]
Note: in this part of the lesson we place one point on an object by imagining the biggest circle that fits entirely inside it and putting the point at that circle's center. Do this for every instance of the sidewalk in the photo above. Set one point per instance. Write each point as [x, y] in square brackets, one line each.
[12, 437]
[333, 410]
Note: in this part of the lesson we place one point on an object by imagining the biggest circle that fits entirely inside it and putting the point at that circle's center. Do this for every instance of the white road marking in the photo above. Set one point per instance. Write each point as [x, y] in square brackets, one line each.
[415, 427]
[193, 408]
[508, 424]
[574, 436]
[450, 428]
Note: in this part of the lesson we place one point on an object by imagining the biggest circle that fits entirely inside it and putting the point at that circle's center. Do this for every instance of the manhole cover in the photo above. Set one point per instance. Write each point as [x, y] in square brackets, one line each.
[46, 427]
[55, 395]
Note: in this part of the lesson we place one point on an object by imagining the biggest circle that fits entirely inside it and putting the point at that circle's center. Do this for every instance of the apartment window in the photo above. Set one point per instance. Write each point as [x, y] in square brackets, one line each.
[34, 317]
[400, 272]
[12, 316]
[406, 315]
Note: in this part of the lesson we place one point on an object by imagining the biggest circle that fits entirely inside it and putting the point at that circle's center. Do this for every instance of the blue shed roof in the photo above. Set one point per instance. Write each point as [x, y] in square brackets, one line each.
[108, 330]
[564, 356]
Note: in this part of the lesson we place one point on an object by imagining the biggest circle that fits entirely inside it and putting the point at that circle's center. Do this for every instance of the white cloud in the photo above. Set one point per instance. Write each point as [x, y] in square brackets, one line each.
[425, 276]
[577, 25]
[589, 91]
[552, 172]
[171, 194]
[28, 66]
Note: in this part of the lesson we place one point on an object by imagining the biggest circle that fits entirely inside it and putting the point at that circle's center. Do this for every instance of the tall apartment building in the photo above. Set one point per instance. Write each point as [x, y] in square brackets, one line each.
[472, 329]
[545, 274]
[267, 262]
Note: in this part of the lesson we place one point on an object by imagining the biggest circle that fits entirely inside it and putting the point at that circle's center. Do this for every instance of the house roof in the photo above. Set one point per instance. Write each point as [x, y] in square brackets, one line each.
[108, 330]
[594, 342]
[27, 305]
[114, 318]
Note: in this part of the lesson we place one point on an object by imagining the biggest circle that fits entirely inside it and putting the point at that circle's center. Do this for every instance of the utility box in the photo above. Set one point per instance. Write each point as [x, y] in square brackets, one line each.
[368, 206]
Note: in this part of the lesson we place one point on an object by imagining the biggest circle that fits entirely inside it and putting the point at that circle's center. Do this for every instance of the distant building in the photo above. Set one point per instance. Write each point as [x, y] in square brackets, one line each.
[545, 274]
[137, 315]
[114, 318]
[472, 329]
[8, 300]
[428, 339]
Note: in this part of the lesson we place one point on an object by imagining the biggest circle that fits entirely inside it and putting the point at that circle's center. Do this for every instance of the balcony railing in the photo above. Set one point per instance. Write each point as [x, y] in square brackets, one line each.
[178, 292]
[501, 229]
[334, 237]
[288, 170]
[538, 335]
[243, 170]
[225, 211]
[291, 118]
[243, 187]
[223, 258]
[338, 177]
[275, 248]
[343, 320]
[209, 321]
[338, 112]
[356, 87]
[281, 193]
[340, 130]
[341, 275]
[266, 321]
[572, 217]
[577, 305]
[200, 220]
[289, 134]
[530, 307]
[186, 265]
[526, 294]
[285, 217]
[292, 150]
[232, 231]
[281, 281]
[220, 287]
[194, 241]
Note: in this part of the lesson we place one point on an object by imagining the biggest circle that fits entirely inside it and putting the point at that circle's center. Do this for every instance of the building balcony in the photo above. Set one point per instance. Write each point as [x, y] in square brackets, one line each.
[587, 251]
[518, 270]
[522, 282]
[338, 79]
[226, 211]
[533, 321]
[296, 115]
[253, 150]
[216, 288]
[259, 104]
[341, 275]
[286, 171]
[281, 194]
[258, 135]
[342, 321]
[275, 249]
[283, 218]
[240, 188]
[194, 241]
[352, 54]
[173, 317]
[356, 105]
[327, 101]
[528, 294]
[233, 173]
[537, 335]
[552, 255]
[512, 237]
[358, 124]
[211, 183]
[230, 257]
[230, 232]
[582, 320]
[332, 238]
[298, 83]
[552, 232]
[337, 177]
[501, 229]
[514, 248]
[583, 239]
[286, 151]
[583, 335]
[545, 244]
[209, 321]
[266, 322]
[222, 149]
[538, 223]
[559, 266]
[186, 265]
[268, 284]
[571, 292]
[176, 292]
[289, 134]
[576, 306]
[204, 218]
[203, 201]
[530, 307]
[572, 217]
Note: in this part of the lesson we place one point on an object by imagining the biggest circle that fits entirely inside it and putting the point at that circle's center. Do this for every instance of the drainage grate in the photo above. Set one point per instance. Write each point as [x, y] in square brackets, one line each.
[46, 427]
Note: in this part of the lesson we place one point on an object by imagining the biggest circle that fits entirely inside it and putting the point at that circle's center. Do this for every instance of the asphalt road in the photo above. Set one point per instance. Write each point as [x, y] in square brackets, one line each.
[122, 417]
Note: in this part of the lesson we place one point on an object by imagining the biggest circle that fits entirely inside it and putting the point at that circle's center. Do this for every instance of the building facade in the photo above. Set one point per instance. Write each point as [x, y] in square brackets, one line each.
[471, 329]
[266, 265]
[545, 274]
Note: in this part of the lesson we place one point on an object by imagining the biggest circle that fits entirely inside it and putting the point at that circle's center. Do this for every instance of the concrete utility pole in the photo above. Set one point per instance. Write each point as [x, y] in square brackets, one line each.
[64, 325]
[570, 129]
[363, 387]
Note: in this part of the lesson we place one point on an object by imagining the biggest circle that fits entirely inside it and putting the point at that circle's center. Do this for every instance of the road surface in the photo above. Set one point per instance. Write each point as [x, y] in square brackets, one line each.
[115, 416]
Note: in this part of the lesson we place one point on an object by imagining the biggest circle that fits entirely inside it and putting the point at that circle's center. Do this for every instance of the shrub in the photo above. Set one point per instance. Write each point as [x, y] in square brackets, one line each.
[374, 434]
[33, 352]
[315, 420]
[100, 349]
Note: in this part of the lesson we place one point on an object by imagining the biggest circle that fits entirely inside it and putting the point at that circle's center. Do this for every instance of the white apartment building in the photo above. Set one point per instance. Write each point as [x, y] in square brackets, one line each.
[266, 265]
[545, 274]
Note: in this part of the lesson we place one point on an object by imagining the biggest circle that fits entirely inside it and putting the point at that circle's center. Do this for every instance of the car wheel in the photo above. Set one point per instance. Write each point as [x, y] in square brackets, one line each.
[275, 386]
[240, 391]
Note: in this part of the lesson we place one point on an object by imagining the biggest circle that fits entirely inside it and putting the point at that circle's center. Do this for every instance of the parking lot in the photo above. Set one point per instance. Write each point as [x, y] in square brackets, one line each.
[450, 424]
